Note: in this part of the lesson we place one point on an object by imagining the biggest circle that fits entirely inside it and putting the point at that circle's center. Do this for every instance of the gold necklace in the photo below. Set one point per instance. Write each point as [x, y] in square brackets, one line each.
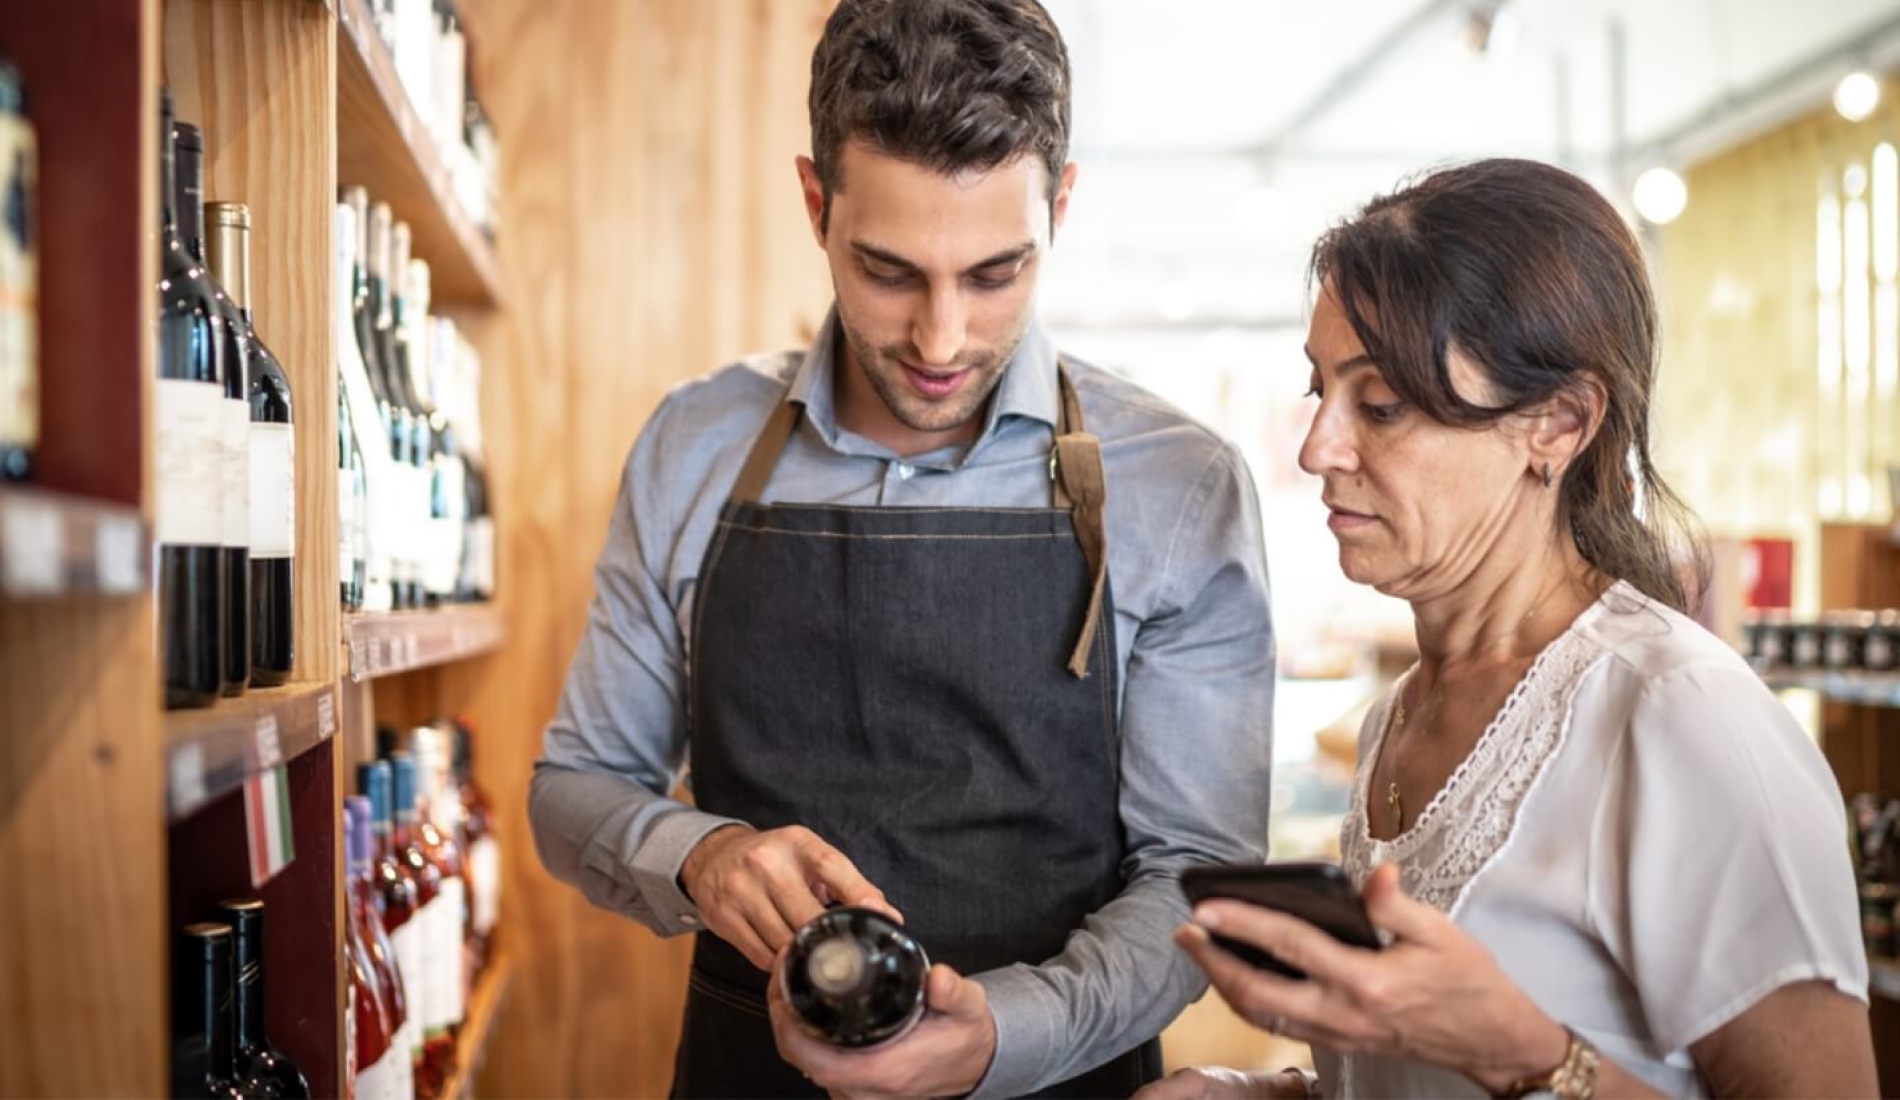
[1394, 798]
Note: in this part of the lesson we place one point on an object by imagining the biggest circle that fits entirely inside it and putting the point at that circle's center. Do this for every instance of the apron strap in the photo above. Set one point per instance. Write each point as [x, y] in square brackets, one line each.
[1075, 465]
[765, 452]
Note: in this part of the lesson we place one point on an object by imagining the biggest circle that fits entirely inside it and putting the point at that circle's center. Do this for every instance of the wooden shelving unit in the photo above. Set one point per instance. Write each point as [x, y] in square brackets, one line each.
[407, 641]
[55, 544]
[210, 753]
[292, 96]
[484, 1005]
[384, 144]
[1867, 689]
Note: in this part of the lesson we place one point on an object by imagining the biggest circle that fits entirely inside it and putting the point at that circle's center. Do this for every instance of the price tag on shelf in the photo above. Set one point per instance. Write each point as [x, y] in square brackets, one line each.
[32, 548]
[411, 651]
[270, 742]
[326, 714]
[187, 776]
[375, 655]
[119, 551]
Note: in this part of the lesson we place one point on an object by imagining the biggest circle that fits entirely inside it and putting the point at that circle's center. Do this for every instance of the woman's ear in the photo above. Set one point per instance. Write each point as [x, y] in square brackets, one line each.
[1566, 425]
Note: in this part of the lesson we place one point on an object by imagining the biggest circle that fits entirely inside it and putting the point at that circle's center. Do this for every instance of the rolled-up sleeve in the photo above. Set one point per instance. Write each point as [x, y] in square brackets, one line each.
[598, 803]
[1197, 752]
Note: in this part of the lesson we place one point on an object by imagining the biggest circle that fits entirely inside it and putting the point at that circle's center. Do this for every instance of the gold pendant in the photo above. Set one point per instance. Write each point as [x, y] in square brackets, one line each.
[1396, 804]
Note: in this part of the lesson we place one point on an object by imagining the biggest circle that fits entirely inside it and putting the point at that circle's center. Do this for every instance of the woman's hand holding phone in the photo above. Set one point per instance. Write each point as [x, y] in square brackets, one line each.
[1432, 994]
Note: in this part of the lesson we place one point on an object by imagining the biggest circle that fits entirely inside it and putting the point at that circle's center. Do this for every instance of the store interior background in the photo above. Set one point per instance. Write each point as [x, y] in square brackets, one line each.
[650, 230]
[651, 222]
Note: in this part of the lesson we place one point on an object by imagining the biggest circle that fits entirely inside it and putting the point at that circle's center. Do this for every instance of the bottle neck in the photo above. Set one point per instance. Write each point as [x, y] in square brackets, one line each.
[249, 1014]
[405, 833]
[167, 175]
[383, 841]
[220, 1041]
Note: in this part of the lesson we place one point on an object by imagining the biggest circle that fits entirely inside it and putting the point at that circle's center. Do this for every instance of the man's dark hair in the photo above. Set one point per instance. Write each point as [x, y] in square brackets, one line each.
[948, 84]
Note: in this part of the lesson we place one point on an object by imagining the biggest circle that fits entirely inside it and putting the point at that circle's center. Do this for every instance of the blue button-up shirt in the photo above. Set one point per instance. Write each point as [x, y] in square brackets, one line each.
[1193, 635]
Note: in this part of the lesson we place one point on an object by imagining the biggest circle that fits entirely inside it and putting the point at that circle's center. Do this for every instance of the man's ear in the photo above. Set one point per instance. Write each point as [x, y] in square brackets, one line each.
[1059, 204]
[815, 201]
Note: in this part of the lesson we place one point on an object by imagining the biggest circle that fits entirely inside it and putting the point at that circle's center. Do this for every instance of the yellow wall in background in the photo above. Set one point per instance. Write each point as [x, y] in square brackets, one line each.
[1745, 428]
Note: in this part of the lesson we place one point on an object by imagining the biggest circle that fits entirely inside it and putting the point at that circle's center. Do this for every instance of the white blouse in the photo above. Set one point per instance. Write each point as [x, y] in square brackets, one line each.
[1643, 837]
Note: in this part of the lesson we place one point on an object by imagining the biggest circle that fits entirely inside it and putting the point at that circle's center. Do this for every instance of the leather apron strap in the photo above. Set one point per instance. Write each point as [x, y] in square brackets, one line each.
[1075, 468]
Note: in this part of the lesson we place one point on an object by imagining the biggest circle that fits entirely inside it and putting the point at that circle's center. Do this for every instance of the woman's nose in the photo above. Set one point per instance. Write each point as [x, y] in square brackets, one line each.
[1328, 447]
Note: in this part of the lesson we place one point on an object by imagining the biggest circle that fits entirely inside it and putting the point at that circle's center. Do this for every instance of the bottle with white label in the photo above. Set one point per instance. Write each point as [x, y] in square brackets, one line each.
[272, 445]
[439, 807]
[188, 425]
[234, 421]
[371, 413]
[438, 1045]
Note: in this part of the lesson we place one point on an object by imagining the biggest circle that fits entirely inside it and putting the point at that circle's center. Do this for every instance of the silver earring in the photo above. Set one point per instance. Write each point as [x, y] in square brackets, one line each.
[1546, 475]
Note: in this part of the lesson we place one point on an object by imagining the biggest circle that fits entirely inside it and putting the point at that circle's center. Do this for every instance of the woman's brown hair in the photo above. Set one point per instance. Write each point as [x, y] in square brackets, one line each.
[1531, 273]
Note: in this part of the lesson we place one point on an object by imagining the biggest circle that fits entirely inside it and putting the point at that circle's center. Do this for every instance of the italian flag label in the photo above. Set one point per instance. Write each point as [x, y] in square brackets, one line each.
[267, 823]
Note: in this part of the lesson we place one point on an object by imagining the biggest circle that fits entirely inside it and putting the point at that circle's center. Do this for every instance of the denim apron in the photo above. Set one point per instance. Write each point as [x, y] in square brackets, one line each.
[930, 690]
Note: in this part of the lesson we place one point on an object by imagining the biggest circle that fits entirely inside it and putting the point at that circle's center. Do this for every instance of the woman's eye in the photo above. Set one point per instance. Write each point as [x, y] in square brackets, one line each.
[1384, 414]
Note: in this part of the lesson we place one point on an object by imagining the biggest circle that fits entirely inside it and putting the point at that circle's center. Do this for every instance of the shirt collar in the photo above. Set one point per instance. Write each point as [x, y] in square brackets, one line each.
[1028, 389]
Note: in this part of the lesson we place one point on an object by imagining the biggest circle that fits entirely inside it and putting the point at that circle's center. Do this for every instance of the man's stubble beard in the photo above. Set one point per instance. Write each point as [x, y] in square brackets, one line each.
[893, 390]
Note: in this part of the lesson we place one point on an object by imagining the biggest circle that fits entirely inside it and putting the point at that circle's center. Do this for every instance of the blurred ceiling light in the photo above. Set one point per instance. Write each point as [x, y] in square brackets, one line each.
[1490, 29]
[1660, 196]
[1856, 96]
[1175, 302]
[1262, 210]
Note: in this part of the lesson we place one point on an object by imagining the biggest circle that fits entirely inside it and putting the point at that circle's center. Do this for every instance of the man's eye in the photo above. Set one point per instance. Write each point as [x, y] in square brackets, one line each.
[887, 278]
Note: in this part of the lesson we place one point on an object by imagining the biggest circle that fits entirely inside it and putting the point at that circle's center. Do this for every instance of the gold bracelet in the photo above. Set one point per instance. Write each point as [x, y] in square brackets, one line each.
[1575, 1078]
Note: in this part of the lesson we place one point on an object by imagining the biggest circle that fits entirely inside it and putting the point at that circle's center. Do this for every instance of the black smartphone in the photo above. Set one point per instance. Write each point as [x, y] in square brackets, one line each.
[1316, 892]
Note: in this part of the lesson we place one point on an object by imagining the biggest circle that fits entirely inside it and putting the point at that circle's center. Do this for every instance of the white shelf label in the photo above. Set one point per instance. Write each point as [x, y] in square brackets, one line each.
[187, 776]
[120, 550]
[326, 715]
[32, 548]
[270, 742]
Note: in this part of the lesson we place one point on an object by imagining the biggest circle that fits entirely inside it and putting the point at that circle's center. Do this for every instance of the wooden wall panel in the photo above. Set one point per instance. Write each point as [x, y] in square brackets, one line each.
[651, 230]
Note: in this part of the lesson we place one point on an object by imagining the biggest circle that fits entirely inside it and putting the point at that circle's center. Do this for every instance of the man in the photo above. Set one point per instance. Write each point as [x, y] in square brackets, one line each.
[996, 655]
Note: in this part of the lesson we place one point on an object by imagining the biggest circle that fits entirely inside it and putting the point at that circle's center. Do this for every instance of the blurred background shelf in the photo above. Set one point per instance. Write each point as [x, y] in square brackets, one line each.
[55, 544]
[1884, 978]
[386, 643]
[384, 145]
[1873, 689]
[210, 752]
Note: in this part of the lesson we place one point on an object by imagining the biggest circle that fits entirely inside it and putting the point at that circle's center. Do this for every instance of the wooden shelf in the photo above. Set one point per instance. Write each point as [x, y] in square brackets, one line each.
[211, 751]
[53, 544]
[484, 1005]
[1872, 689]
[384, 144]
[1883, 978]
[402, 641]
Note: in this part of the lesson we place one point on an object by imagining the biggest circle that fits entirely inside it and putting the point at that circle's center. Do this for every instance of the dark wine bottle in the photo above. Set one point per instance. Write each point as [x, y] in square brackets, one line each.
[19, 282]
[261, 1069]
[855, 978]
[234, 421]
[272, 446]
[188, 423]
[204, 1046]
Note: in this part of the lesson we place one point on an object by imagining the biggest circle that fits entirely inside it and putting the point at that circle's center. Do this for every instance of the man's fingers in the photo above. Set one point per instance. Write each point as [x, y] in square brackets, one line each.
[830, 868]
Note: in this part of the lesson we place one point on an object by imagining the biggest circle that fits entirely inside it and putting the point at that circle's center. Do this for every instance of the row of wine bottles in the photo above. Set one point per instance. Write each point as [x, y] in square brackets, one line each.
[415, 530]
[219, 1048]
[226, 465]
[424, 895]
[19, 281]
[430, 49]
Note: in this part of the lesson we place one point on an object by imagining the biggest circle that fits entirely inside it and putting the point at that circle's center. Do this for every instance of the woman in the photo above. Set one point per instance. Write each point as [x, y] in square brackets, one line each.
[1607, 860]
